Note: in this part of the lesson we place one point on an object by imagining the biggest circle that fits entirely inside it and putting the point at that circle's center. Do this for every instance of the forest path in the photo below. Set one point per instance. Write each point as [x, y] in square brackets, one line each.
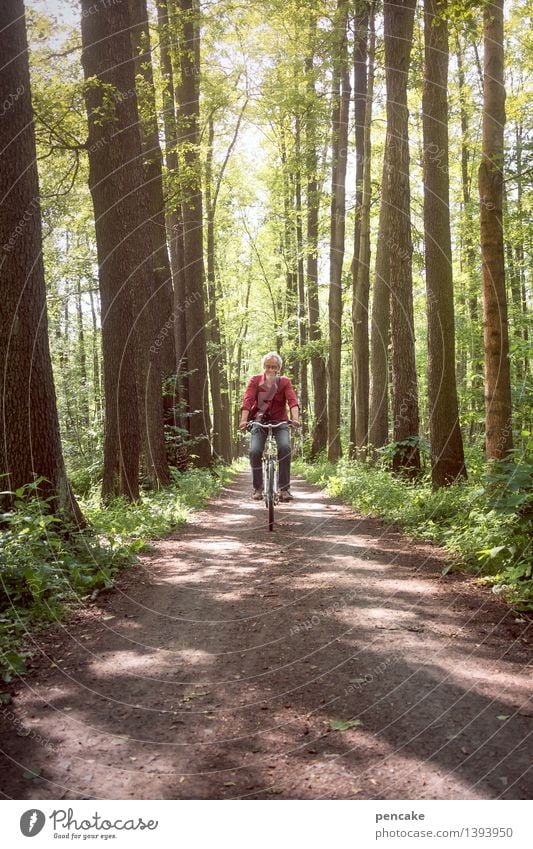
[215, 668]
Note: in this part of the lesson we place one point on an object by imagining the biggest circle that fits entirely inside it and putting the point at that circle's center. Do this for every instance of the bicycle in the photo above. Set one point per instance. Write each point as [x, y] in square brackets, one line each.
[270, 468]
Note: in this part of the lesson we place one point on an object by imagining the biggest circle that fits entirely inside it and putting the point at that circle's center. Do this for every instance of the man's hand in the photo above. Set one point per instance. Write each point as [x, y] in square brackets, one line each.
[243, 425]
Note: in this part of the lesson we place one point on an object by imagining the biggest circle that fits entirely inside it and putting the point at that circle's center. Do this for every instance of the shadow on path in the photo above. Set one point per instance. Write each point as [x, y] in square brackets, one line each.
[221, 666]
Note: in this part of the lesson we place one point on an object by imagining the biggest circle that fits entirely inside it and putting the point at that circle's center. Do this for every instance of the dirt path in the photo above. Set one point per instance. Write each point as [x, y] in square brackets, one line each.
[215, 669]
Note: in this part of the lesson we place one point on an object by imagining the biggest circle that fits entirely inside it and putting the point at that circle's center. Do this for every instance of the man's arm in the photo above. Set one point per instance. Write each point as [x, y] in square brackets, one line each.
[292, 400]
[248, 402]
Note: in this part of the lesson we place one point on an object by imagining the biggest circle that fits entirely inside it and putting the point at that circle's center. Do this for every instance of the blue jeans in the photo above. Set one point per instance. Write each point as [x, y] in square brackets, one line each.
[257, 443]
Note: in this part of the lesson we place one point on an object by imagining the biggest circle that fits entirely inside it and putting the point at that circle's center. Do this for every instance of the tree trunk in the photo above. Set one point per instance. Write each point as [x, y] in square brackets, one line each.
[365, 39]
[84, 383]
[339, 144]
[380, 336]
[398, 33]
[302, 312]
[96, 360]
[174, 222]
[237, 385]
[288, 251]
[447, 457]
[469, 299]
[499, 434]
[222, 447]
[520, 259]
[132, 378]
[318, 366]
[30, 444]
[153, 171]
[192, 211]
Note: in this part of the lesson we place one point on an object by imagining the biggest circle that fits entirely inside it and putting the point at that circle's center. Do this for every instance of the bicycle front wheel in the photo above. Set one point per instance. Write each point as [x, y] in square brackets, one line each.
[270, 496]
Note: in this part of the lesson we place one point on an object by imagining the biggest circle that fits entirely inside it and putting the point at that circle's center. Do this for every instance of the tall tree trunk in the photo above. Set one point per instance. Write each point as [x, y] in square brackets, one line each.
[30, 443]
[339, 144]
[318, 366]
[192, 211]
[360, 82]
[84, 383]
[469, 299]
[174, 218]
[447, 457]
[132, 377]
[216, 350]
[520, 260]
[153, 171]
[398, 33]
[64, 357]
[302, 312]
[237, 383]
[96, 359]
[498, 411]
[380, 335]
[365, 39]
[288, 251]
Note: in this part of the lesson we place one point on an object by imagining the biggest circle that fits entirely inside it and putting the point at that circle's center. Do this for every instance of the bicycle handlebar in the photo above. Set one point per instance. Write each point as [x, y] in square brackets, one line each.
[265, 425]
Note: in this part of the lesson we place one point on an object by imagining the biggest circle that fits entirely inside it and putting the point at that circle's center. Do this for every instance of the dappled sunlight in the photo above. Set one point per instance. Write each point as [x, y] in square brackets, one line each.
[132, 662]
[306, 658]
[212, 544]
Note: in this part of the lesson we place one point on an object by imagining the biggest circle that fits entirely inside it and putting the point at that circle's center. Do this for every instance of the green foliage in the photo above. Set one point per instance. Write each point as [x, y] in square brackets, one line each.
[46, 568]
[486, 523]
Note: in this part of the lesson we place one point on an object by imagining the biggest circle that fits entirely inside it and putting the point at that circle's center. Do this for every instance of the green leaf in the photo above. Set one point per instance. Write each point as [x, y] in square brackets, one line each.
[344, 724]
[30, 774]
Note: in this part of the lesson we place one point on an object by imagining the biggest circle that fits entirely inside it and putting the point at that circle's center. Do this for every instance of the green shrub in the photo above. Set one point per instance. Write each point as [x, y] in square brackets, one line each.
[46, 568]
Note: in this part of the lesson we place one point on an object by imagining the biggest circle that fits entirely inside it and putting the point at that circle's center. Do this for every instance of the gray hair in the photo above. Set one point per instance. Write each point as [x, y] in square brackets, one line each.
[272, 355]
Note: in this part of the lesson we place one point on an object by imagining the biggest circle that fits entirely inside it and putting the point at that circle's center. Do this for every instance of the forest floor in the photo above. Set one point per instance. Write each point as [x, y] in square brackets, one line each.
[229, 664]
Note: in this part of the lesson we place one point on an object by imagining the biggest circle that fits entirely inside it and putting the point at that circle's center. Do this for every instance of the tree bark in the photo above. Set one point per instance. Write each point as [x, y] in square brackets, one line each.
[380, 335]
[468, 299]
[30, 442]
[192, 211]
[302, 312]
[288, 251]
[318, 366]
[447, 457]
[339, 144]
[363, 82]
[153, 172]
[174, 219]
[216, 350]
[97, 347]
[398, 33]
[84, 383]
[498, 411]
[132, 379]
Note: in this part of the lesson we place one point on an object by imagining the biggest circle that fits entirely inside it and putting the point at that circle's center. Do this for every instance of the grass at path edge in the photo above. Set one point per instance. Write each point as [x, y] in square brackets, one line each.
[44, 572]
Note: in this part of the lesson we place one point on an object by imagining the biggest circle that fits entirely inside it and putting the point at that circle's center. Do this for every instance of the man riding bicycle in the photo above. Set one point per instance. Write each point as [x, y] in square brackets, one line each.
[266, 399]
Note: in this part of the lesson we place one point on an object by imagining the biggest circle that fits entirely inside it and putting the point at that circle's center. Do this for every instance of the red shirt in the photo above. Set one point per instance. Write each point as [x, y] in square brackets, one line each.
[284, 396]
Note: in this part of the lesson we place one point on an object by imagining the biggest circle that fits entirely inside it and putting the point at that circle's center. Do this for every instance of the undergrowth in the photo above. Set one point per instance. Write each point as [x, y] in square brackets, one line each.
[45, 569]
[485, 523]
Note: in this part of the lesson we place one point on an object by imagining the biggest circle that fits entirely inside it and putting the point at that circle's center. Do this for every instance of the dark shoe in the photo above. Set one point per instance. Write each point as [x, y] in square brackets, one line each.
[286, 495]
[257, 494]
